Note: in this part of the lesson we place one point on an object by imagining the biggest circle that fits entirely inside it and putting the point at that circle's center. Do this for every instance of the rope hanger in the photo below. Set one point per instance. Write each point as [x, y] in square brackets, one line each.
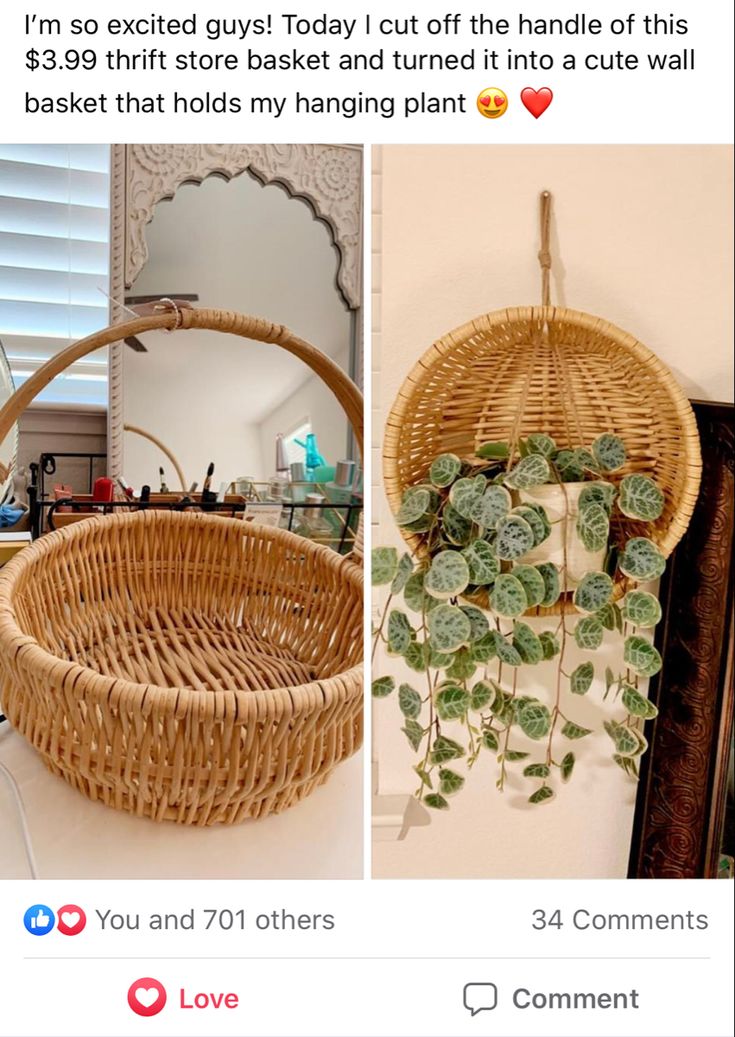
[544, 255]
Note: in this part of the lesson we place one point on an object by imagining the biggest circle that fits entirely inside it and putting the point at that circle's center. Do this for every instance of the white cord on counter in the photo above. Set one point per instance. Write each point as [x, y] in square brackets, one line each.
[23, 819]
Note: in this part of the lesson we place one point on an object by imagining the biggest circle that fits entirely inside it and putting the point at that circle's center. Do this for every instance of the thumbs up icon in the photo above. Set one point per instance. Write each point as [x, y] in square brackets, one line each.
[39, 920]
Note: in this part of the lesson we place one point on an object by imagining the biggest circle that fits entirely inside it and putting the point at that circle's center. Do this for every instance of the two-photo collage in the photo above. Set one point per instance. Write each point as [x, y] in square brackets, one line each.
[366, 512]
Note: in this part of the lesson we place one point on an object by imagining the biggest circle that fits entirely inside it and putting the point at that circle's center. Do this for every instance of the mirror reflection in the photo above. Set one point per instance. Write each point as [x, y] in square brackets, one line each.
[200, 398]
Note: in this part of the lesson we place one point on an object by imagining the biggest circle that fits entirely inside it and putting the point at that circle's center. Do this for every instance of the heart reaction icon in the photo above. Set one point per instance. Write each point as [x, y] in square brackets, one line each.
[147, 996]
[536, 101]
[71, 920]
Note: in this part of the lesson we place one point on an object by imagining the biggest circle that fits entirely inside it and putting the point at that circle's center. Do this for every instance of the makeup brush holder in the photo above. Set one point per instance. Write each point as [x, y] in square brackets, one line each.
[183, 666]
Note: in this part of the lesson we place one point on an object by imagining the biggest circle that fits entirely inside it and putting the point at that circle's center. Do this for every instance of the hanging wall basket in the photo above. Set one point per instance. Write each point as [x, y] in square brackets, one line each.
[183, 666]
[547, 369]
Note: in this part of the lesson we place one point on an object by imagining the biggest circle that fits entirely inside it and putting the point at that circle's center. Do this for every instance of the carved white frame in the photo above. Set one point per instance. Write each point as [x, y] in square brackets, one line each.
[327, 176]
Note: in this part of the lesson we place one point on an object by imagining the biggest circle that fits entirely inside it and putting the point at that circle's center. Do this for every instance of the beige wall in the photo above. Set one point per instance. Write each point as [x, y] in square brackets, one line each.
[642, 237]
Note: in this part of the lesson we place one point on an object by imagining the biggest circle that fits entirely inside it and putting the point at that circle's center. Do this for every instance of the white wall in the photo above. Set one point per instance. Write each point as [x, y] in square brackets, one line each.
[240, 246]
[642, 237]
[315, 401]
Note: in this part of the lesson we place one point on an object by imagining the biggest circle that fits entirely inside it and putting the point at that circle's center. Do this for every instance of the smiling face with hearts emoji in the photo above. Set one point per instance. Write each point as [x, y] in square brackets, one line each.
[492, 103]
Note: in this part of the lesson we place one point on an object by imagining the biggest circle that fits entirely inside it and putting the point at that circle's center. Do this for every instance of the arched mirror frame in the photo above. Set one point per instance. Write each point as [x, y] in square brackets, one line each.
[327, 176]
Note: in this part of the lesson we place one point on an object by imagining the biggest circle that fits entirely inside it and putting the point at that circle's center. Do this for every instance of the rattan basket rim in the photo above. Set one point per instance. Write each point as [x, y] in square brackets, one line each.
[691, 452]
[245, 705]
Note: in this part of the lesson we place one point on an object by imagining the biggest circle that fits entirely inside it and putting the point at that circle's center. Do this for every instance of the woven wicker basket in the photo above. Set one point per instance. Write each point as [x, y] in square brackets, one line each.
[546, 369]
[183, 666]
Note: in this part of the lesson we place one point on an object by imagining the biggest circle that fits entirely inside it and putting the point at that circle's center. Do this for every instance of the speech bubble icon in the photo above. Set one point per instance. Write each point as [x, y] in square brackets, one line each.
[480, 997]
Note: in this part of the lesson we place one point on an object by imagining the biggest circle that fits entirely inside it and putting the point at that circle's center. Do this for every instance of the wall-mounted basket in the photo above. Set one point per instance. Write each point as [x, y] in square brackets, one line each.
[552, 370]
[182, 666]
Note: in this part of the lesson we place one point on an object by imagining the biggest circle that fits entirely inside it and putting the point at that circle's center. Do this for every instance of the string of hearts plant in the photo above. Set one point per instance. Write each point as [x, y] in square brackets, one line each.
[479, 568]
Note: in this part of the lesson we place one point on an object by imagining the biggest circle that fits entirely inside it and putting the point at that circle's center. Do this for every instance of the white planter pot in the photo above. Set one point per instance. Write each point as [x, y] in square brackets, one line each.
[561, 504]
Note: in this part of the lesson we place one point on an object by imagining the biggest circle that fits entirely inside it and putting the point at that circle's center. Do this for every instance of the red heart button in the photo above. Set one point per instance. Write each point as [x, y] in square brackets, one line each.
[485, 101]
[536, 101]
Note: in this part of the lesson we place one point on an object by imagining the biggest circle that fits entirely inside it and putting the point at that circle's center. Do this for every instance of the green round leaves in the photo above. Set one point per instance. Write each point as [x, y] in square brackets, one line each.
[493, 451]
[508, 597]
[532, 582]
[382, 687]
[448, 576]
[595, 589]
[415, 596]
[627, 741]
[588, 633]
[400, 633]
[482, 695]
[532, 470]
[640, 498]
[450, 782]
[452, 703]
[542, 795]
[641, 609]
[479, 626]
[464, 495]
[449, 628]
[416, 503]
[552, 583]
[593, 526]
[445, 749]
[637, 705]
[455, 528]
[409, 701]
[536, 517]
[609, 451]
[540, 443]
[435, 801]
[482, 563]
[445, 469]
[515, 538]
[602, 493]
[404, 570]
[527, 643]
[549, 644]
[641, 560]
[505, 651]
[581, 679]
[641, 656]
[491, 507]
[384, 565]
[534, 720]
[569, 466]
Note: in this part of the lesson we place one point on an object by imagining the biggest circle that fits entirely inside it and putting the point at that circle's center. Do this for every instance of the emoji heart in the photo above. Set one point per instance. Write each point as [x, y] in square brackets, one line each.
[536, 101]
[72, 920]
[147, 996]
[485, 101]
[498, 100]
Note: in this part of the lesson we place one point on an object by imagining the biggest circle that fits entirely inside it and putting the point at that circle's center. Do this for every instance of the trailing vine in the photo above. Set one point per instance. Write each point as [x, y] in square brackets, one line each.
[478, 569]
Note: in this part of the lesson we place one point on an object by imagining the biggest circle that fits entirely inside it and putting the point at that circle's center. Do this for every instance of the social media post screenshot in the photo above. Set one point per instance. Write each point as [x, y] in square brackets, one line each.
[366, 520]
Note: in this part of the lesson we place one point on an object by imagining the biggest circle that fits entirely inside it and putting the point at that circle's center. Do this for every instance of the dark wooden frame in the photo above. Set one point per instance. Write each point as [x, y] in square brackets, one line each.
[680, 805]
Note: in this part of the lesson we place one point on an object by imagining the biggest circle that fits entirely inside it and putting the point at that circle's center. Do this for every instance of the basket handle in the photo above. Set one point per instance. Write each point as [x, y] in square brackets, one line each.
[544, 254]
[345, 390]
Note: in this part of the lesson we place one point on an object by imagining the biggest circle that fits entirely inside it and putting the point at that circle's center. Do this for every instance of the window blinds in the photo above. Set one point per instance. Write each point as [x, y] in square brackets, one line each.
[54, 259]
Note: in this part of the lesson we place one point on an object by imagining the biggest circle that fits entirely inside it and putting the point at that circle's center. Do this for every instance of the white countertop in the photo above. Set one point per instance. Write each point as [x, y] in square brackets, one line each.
[320, 838]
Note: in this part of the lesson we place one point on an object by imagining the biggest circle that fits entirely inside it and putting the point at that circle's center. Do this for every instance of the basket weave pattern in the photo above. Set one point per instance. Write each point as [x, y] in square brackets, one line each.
[184, 667]
[558, 371]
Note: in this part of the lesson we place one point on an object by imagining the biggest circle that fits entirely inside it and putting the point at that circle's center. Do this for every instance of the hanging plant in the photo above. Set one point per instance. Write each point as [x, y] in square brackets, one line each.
[485, 540]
